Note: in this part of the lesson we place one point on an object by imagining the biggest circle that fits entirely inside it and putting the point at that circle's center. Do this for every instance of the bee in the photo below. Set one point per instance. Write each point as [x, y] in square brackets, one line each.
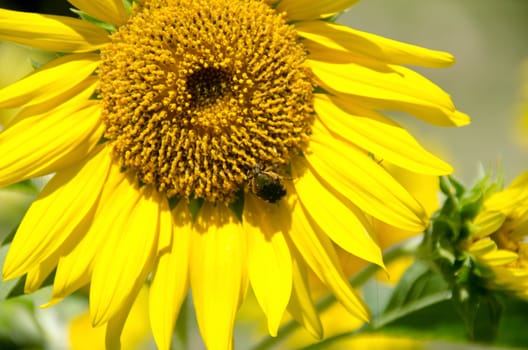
[266, 184]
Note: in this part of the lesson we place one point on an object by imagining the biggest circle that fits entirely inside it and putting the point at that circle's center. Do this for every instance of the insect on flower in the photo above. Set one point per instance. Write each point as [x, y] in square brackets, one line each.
[266, 184]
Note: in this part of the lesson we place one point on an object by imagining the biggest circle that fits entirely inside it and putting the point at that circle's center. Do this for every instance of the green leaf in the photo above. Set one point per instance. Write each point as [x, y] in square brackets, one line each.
[437, 321]
[419, 287]
[512, 328]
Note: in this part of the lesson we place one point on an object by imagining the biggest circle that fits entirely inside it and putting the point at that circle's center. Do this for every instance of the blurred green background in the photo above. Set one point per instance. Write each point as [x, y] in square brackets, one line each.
[488, 39]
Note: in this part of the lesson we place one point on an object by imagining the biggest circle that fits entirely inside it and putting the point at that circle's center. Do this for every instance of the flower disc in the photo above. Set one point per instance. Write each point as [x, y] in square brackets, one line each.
[197, 93]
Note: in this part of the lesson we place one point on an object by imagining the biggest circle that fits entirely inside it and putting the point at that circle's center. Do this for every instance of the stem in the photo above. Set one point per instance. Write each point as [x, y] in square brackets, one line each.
[404, 248]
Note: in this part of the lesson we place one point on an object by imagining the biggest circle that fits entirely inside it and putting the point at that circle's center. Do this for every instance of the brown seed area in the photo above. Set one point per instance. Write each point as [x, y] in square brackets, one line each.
[197, 93]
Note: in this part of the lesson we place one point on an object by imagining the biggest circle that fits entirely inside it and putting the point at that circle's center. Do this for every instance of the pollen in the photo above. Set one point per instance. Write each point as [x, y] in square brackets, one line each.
[197, 93]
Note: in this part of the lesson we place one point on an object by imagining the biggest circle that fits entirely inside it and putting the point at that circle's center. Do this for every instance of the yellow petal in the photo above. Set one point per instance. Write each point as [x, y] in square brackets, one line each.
[128, 329]
[52, 33]
[391, 88]
[487, 222]
[37, 274]
[75, 268]
[318, 252]
[66, 200]
[506, 200]
[520, 181]
[499, 257]
[46, 143]
[342, 40]
[335, 217]
[127, 256]
[109, 11]
[114, 326]
[51, 80]
[82, 336]
[482, 246]
[170, 281]
[363, 181]
[218, 273]
[385, 140]
[269, 260]
[79, 94]
[422, 187]
[309, 9]
[301, 305]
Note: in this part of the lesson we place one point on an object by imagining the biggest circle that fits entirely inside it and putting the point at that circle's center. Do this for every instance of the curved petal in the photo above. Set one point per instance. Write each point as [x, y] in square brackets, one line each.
[301, 305]
[49, 32]
[49, 142]
[75, 268]
[360, 179]
[218, 274]
[127, 257]
[79, 94]
[392, 88]
[136, 332]
[48, 224]
[308, 9]
[482, 246]
[384, 140]
[333, 216]
[51, 80]
[506, 200]
[38, 273]
[128, 329]
[318, 252]
[499, 257]
[488, 222]
[109, 11]
[171, 278]
[269, 259]
[520, 181]
[343, 40]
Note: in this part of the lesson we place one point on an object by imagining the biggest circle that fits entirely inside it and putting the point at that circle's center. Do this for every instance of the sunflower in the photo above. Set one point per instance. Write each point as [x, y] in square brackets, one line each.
[500, 240]
[211, 144]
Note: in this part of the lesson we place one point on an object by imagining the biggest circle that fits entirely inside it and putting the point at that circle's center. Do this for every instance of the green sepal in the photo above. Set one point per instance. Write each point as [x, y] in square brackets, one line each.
[237, 206]
[173, 202]
[481, 314]
[195, 204]
[128, 5]
[444, 247]
[86, 17]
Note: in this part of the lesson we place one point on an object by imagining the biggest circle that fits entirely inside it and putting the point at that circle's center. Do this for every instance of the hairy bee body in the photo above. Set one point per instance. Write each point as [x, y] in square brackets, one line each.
[266, 185]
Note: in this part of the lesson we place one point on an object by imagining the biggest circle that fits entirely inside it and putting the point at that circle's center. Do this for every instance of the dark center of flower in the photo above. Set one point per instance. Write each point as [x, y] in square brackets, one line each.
[197, 93]
[207, 85]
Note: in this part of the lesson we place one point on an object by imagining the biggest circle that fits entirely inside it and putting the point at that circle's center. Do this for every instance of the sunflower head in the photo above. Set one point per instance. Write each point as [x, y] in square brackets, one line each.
[197, 94]
[478, 242]
[500, 238]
